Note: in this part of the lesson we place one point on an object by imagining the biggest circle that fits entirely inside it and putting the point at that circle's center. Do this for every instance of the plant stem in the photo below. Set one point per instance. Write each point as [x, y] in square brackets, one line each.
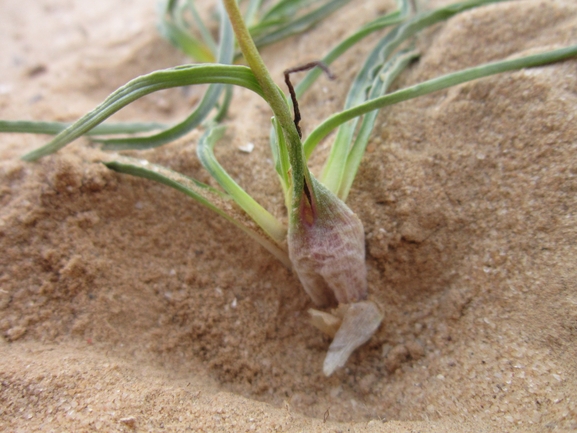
[275, 99]
[255, 62]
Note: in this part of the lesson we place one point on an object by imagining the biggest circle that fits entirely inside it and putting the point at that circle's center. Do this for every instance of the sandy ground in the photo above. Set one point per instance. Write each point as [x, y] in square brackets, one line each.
[125, 306]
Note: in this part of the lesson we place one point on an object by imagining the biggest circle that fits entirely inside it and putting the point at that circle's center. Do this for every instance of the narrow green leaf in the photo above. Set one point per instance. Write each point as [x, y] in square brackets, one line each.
[223, 107]
[385, 78]
[206, 105]
[251, 15]
[204, 32]
[368, 78]
[299, 24]
[358, 93]
[285, 8]
[180, 37]
[378, 24]
[434, 85]
[384, 48]
[203, 194]
[392, 18]
[271, 226]
[144, 85]
[53, 128]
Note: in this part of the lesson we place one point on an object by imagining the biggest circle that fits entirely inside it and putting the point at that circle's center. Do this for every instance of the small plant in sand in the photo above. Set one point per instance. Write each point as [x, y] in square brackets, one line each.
[324, 242]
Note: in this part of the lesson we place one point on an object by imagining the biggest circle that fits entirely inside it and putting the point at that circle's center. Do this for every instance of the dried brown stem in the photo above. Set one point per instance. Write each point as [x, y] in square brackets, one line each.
[287, 80]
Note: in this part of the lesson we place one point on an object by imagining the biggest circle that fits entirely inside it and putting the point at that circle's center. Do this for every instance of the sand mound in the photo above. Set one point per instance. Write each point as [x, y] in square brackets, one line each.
[126, 306]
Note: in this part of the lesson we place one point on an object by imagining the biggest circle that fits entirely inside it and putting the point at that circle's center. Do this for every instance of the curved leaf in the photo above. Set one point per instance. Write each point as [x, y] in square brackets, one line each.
[293, 26]
[202, 193]
[385, 21]
[144, 85]
[434, 85]
[173, 29]
[386, 76]
[208, 102]
[260, 215]
[53, 128]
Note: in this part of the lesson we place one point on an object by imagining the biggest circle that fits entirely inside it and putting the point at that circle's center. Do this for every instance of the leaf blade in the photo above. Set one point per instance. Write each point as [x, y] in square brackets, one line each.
[271, 226]
[202, 193]
[202, 110]
[434, 85]
[144, 85]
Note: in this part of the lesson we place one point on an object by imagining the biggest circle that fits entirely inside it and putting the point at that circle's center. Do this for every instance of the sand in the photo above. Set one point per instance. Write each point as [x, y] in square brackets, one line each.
[125, 306]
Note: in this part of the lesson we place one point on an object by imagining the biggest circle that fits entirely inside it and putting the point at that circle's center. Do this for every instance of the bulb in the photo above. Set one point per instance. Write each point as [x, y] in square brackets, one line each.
[326, 243]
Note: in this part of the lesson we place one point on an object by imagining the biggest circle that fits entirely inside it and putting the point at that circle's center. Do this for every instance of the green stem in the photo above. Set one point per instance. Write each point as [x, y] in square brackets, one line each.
[256, 64]
[275, 99]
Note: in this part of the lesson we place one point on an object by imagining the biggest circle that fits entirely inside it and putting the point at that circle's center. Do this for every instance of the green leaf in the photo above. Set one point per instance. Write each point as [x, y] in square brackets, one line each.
[271, 226]
[382, 51]
[223, 107]
[180, 37]
[206, 105]
[434, 85]
[144, 85]
[313, 74]
[53, 128]
[203, 194]
[285, 9]
[385, 78]
[293, 26]
[366, 79]
[380, 23]
[205, 33]
[251, 14]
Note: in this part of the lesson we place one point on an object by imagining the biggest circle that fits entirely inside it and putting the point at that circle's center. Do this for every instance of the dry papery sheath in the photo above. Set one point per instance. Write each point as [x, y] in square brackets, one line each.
[326, 244]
